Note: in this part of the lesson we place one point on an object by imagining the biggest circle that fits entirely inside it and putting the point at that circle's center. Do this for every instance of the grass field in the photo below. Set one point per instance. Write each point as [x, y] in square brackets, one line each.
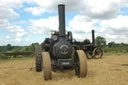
[110, 70]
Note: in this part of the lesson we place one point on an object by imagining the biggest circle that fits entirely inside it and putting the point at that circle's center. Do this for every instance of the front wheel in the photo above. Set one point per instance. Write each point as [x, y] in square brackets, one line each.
[80, 64]
[47, 74]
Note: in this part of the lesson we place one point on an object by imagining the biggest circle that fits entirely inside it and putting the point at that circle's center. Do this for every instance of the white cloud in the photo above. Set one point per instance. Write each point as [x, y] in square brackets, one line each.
[102, 15]
[12, 14]
[7, 15]
[101, 9]
[18, 39]
[8, 21]
[82, 24]
[4, 24]
[20, 22]
[7, 37]
[11, 3]
[124, 3]
[16, 29]
[20, 34]
[35, 10]
[28, 40]
[116, 24]
[50, 5]
[43, 25]
[82, 36]
[115, 29]
[14, 3]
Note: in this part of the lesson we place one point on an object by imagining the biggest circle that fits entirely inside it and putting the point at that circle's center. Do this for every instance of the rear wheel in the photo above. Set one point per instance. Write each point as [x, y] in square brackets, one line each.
[47, 74]
[97, 53]
[73, 53]
[38, 58]
[89, 55]
[81, 64]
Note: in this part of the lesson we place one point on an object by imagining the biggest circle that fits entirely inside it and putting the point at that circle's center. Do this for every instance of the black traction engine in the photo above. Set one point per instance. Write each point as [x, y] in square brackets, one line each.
[58, 52]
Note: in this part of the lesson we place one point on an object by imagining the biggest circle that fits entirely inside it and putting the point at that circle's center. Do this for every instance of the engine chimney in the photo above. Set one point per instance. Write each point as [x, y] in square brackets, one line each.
[61, 12]
[93, 37]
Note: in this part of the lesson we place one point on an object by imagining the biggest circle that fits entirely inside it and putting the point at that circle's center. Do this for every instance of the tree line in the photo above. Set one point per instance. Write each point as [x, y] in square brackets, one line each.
[112, 47]
[14, 51]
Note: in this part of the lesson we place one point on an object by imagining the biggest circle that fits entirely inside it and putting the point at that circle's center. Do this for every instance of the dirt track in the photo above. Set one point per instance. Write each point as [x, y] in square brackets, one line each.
[106, 71]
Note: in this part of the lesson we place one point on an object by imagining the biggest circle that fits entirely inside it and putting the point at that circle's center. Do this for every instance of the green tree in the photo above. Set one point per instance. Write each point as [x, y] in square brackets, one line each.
[32, 46]
[9, 47]
[29, 48]
[100, 41]
[111, 44]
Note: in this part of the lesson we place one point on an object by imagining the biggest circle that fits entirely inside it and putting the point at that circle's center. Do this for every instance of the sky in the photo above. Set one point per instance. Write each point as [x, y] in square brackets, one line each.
[23, 22]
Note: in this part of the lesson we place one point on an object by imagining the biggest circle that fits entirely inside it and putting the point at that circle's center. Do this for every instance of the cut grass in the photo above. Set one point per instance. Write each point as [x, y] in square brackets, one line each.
[115, 54]
[16, 59]
[105, 71]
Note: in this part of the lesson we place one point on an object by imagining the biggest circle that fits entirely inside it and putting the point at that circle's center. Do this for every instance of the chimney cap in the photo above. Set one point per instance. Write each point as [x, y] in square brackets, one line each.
[61, 5]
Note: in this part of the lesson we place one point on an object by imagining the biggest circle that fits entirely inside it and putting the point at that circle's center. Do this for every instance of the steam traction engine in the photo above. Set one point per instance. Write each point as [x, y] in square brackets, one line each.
[90, 49]
[58, 52]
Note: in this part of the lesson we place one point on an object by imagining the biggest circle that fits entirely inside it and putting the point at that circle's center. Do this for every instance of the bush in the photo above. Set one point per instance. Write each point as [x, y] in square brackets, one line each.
[2, 56]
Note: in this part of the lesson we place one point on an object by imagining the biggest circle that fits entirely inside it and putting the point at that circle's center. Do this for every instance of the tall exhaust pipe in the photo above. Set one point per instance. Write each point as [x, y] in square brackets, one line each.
[93, 37]
[61, 11]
